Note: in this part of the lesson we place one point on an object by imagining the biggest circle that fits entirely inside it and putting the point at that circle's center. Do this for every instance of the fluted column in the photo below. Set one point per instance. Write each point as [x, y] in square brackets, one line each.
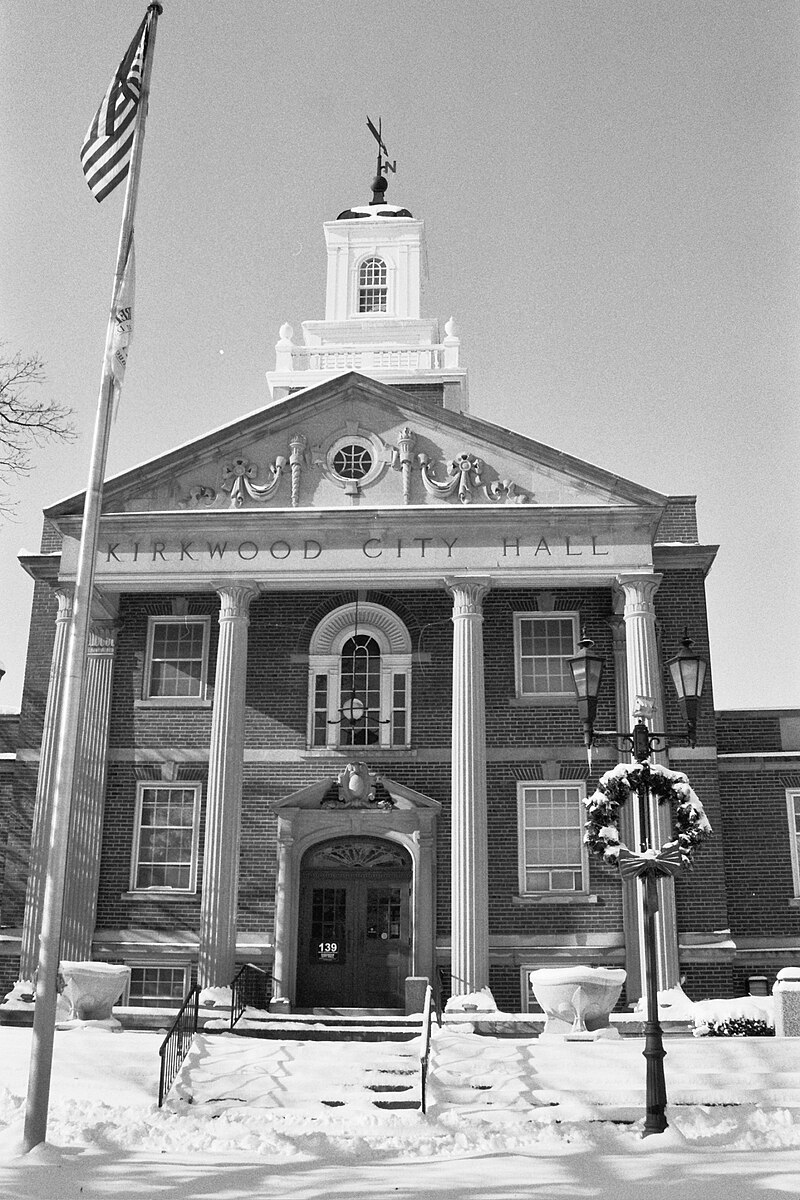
[285, 913]
[645, 697]
[469, 858]
[86, 824]
[217, 954]
[43, 810]
[632, 918]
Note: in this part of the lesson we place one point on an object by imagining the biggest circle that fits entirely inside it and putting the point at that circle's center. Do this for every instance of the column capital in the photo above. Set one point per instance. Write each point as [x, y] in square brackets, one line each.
[235, 599]
[64, 594]
[468, 595]
[616, 623]
[638, 590]
[103, 637]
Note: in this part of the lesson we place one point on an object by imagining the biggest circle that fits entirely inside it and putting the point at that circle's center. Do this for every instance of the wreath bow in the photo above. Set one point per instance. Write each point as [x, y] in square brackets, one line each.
[650, 866]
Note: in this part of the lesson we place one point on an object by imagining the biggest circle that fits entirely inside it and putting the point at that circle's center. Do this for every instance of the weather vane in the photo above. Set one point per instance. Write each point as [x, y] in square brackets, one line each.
[383, 154]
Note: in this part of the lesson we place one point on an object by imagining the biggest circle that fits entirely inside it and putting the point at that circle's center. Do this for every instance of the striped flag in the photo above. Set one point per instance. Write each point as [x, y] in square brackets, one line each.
[106, 149]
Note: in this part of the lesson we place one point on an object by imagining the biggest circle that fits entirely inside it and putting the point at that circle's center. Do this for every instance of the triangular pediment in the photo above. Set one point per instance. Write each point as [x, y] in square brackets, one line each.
[355, 442]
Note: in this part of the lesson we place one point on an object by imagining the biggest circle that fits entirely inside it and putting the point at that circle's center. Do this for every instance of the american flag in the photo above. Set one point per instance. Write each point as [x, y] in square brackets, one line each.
[106, 149]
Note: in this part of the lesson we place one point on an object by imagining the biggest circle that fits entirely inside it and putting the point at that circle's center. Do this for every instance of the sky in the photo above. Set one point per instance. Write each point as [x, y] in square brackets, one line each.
[610, 194]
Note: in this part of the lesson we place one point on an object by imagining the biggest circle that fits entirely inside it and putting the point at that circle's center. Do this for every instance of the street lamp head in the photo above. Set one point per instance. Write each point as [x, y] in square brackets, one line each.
[688, 672]
[587, 671]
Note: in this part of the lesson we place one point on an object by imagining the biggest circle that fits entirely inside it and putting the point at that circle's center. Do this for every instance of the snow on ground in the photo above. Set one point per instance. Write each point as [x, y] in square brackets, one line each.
[507, 1118]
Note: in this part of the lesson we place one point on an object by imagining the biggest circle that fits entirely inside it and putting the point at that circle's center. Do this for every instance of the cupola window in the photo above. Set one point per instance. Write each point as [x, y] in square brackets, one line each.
[372, 286]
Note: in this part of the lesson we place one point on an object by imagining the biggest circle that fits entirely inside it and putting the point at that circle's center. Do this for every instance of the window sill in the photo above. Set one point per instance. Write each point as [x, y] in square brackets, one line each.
[556, 898]
[352, 752]
[172, 702]
[159, 894]
[794, 902]
[555, 700]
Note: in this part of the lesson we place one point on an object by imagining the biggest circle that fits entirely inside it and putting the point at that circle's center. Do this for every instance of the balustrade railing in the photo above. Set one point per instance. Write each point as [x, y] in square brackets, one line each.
[369, 358]
[175, 1046]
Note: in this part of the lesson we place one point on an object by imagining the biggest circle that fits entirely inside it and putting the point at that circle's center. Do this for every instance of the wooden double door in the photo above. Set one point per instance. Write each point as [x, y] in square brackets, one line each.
[354, 935]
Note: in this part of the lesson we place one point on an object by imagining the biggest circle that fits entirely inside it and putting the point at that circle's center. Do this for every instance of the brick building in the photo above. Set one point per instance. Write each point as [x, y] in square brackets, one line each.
[328, 724]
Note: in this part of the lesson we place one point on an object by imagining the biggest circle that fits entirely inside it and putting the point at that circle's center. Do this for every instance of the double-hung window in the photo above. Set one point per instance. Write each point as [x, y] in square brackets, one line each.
[552, 855]
[544, 645]
[793, 810]
[177, 659]
[372, 286]
[166, 837]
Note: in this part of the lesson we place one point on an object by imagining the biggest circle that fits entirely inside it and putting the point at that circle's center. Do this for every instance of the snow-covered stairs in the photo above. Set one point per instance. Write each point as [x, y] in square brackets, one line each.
[293, 1073]
[343, 1025]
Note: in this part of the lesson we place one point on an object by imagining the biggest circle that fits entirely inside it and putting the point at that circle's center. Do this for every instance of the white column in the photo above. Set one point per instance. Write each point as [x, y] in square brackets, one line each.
[424, 956]
[645, 693]
[469, 858]
[43, 810]
[285, 913]
[86, 824]
[217, 954]
[632, 918]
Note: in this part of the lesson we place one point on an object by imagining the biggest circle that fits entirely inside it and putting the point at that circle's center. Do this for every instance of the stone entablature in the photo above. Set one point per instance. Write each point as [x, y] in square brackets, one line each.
[406, 547]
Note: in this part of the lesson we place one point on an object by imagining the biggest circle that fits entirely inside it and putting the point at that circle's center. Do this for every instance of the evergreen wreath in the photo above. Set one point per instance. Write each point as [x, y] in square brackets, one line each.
[690, 824]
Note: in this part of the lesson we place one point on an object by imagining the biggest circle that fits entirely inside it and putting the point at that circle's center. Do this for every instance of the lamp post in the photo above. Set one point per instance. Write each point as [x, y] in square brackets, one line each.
[688, 673]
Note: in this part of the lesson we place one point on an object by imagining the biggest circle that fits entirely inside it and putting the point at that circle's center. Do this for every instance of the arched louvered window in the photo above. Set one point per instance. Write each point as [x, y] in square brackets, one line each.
[360, 679]
[372, 286]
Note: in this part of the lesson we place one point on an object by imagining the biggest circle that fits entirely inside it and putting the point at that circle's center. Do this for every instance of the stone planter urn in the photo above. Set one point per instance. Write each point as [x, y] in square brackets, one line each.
[577, 1001]
[93, 988]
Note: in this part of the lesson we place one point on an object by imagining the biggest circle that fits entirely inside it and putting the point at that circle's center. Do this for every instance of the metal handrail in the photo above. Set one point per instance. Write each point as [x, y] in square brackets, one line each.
[240, 989]
[437, 994]
[175, 1046]
[425, 1047]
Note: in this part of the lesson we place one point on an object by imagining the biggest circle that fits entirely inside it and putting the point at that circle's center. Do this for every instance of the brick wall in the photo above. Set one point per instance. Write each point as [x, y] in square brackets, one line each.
[754, 730]
[679, 522]
[679, 602]
[758, 864]
[281, 625]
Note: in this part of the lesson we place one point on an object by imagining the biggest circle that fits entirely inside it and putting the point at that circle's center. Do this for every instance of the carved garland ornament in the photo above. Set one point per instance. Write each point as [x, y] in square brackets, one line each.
[464, 476]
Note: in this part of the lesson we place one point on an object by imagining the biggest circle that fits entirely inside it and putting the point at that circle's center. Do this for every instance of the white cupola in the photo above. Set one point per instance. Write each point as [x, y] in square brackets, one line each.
[376, 255]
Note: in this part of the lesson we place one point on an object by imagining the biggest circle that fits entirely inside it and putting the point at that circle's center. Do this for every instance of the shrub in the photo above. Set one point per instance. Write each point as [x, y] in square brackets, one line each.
[739, 1027]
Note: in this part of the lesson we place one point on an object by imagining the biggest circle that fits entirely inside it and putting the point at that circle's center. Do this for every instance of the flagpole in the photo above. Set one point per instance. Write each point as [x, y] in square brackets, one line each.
[69, 719]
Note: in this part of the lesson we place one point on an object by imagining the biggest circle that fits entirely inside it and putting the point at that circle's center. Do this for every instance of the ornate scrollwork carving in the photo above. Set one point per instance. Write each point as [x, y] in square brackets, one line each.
[201, 494]
[504, 491]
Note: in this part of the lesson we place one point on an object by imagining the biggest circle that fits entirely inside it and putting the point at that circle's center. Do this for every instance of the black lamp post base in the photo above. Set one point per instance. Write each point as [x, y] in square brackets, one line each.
[654, 1053]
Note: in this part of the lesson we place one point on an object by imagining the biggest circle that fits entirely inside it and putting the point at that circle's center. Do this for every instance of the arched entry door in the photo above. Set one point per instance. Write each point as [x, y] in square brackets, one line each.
[354, 935]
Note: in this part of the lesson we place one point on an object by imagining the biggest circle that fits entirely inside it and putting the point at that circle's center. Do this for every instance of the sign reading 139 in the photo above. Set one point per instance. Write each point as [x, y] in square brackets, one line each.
[328, 952]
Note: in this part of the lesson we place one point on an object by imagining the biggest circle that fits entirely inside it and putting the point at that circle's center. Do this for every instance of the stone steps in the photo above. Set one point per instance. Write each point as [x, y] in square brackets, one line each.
[343, 1025]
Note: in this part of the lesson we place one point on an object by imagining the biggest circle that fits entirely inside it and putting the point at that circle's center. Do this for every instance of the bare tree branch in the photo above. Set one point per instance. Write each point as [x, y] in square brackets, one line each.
[25, 422]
